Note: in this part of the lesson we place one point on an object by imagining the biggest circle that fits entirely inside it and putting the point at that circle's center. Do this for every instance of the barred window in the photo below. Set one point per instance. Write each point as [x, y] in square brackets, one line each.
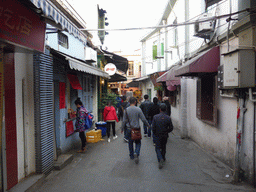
[63, 40]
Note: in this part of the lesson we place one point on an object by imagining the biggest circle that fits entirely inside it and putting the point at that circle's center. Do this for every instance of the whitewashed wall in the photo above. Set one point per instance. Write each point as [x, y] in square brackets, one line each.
[25, 123]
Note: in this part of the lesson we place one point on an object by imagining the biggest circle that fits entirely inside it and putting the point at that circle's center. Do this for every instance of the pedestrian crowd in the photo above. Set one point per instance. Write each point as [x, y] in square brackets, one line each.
[154, 115]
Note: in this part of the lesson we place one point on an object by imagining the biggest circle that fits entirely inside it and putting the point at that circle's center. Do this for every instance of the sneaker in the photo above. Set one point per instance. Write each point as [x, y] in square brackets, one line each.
[136, 158]
[145, 135]
[161, 164]
[115, 137]
[109, 140]
[126, 140]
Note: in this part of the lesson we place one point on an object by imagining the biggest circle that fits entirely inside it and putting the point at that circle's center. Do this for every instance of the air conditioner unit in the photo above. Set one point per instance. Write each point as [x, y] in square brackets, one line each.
[204, 29]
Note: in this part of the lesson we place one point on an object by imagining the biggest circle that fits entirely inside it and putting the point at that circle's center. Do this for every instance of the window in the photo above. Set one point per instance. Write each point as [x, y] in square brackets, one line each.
[154, 51]
[206, 100]
[208, 3]
[131, 68]
[63, 40]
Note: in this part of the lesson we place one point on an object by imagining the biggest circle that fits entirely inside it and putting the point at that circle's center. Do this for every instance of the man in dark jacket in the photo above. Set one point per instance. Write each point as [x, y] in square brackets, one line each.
[145, 106]
[154, 110]
[161, 125]
[166, 102]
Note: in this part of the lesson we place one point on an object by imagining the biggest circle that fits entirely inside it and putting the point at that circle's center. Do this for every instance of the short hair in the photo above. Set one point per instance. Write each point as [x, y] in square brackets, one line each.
[163, 107]
[155, 100]
[78, 101]
[145, 96]
[132, 100]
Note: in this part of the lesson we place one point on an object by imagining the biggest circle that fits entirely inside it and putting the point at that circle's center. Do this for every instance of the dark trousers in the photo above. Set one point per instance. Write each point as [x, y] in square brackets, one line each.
[161, 141]
[83, 139]
[109, 124]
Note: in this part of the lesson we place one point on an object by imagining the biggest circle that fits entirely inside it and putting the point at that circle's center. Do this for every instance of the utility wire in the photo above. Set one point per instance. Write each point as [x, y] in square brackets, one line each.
[178, 24]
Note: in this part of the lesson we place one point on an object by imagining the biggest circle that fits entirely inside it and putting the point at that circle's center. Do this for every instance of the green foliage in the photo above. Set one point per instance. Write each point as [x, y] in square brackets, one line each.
[107, 97]
[159, 88]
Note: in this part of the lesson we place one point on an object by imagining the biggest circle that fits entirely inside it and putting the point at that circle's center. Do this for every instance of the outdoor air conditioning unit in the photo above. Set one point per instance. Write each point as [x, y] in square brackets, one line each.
[204, 29]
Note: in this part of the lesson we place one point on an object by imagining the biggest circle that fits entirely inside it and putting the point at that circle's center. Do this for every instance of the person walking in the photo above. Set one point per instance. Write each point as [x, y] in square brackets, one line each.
[145, 106]
[81, 113]
[131, 120]
[161, 126]
[154, 110]
[167, 103]
[109, 116]
[124, 105]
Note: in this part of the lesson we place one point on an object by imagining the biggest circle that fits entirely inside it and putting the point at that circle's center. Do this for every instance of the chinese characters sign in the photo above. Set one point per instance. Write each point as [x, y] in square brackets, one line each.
[21, 26]
[62, 88]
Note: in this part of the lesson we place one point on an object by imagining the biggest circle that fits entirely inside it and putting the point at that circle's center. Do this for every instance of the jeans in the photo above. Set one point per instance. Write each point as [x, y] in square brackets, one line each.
[131, 147]
[161, 142]
[147, 131]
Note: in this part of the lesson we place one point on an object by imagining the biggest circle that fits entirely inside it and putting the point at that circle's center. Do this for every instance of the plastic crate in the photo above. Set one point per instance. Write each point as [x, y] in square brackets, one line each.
[102, 126]
[93, 136]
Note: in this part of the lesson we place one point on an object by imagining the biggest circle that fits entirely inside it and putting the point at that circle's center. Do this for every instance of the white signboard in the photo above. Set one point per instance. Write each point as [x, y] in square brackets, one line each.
[110, 68]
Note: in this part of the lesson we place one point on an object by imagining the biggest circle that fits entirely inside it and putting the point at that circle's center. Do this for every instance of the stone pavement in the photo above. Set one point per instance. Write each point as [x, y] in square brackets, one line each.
[107, 167]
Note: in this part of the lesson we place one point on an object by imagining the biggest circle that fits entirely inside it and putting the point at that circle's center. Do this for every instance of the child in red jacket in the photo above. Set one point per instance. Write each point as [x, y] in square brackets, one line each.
[110, 117]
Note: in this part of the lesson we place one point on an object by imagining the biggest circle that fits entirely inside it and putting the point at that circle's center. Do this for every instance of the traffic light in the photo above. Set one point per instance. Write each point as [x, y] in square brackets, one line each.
[101, 24]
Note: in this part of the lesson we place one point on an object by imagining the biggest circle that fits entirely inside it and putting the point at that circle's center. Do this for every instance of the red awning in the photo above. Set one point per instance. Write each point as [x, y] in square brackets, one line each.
[170, 78]
[205, 62]
[74, 82]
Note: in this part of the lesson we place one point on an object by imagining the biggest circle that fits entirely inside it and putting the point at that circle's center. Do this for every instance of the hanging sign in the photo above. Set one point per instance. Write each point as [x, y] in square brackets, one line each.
[110, 69]
[20, 25]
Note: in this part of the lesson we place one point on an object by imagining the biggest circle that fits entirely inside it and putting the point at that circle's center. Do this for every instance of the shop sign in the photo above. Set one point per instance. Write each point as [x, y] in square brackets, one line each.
[21, 25]
[110, 68]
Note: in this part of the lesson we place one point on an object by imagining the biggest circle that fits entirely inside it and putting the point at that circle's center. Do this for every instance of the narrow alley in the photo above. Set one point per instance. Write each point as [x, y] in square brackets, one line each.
[107, 167]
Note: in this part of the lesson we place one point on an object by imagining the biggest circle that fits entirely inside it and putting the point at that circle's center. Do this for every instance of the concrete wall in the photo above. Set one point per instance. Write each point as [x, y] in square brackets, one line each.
[220, 140]
[75, 49]
[25, 113]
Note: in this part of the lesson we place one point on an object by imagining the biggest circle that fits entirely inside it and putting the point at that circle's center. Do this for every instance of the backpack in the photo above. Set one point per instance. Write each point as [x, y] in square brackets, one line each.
[88, 120]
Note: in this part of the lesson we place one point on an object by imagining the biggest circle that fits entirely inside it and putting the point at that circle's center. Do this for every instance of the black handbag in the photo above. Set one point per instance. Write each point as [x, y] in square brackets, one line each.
[135, 132]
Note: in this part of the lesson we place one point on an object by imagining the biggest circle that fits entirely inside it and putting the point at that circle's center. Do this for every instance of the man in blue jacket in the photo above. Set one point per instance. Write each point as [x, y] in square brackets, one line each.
[161, 125]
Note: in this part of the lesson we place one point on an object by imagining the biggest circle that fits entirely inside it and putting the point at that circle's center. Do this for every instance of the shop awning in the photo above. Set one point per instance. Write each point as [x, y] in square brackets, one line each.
[133, 84]
[142, 78]
[81, 66]
[169, 77]
[52, 12]
[205, 62]
[73, 79]
[117, 78]
[120, 62]
[154, 77]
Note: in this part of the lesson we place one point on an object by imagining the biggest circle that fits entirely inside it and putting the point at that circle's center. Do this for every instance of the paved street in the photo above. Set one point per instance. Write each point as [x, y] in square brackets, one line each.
[107, 167]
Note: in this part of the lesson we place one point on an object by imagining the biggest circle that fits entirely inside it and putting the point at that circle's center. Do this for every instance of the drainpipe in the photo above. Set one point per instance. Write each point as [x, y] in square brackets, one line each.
[240, 130]
[143, 54]
[187, 33]
[166, 45]
[159, 51]
[253, 135]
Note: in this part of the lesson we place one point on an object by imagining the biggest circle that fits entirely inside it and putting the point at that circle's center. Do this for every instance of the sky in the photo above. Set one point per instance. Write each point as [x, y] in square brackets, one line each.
[121, 14]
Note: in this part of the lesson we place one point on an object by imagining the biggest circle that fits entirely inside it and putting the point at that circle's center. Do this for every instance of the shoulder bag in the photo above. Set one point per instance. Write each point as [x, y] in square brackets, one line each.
[135, 132]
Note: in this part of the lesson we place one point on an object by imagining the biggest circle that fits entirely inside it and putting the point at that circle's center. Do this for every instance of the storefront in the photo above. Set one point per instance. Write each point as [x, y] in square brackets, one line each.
[22, 33]
[72, 78]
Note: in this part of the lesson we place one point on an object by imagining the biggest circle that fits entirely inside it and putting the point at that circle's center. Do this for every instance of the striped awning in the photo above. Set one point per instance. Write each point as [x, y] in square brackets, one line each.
[81, 66]
[52, 12]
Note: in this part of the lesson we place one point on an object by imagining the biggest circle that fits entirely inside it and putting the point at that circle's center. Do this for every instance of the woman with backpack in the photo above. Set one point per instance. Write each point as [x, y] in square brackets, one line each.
[81, 113]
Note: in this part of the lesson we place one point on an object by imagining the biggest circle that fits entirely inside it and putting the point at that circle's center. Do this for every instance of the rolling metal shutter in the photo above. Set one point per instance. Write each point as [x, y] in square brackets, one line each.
[43, 93]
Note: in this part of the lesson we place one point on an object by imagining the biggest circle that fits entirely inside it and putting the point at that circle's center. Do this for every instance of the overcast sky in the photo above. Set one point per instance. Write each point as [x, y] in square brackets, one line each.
[121, 14]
